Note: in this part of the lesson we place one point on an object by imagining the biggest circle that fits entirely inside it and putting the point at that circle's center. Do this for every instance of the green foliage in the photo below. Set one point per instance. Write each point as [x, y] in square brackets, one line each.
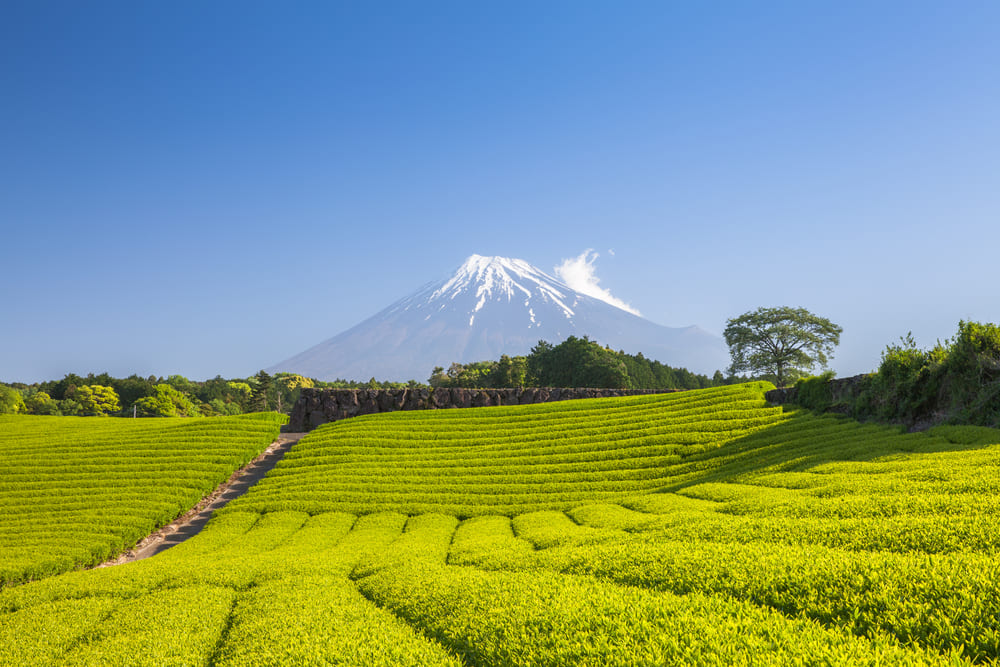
[971, 374]
[132, 388]
[650, 374]
[957, 381]
[576, 362]
[11, 401]
[220, 407]
[70, 407]
[547, 618]
[288, 387]
[217, 396]
[507, 372]
[262, 398]
[181, 384]
[79, 491]
[40, 403]
[510, 372]
[780, 344]
[814, 392]
[167, 402]
[241, 388]
[95, 400]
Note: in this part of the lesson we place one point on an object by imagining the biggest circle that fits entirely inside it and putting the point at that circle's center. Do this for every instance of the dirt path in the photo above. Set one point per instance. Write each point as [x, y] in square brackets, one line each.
[194, 520]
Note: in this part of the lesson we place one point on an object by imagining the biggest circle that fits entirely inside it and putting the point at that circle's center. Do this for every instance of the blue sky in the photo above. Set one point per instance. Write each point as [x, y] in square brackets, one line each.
[209, 188]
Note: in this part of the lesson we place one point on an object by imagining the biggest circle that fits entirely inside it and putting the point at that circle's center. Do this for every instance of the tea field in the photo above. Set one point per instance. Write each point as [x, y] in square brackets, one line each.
[702, 528]
[76, 491]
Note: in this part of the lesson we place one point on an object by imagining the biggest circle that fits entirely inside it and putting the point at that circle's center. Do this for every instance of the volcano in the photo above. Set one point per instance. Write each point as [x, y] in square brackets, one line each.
[488, 307]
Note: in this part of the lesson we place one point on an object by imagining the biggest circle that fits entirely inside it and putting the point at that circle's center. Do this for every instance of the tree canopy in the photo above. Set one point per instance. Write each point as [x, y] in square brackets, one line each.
[167, 402]
[96, 399]
[174, 396]
[780, 344]
[575, 362]
[957, 380]
[10, 401]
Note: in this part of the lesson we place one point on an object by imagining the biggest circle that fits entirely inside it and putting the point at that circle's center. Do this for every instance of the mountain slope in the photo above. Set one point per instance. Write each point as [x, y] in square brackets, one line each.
[492, 306]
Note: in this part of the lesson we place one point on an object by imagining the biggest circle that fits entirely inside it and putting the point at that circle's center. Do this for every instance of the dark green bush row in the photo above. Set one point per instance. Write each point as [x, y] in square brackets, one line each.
[955, 382]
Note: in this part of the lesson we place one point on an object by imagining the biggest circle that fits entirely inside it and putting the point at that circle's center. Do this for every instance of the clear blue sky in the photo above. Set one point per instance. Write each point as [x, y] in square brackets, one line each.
[210, 187]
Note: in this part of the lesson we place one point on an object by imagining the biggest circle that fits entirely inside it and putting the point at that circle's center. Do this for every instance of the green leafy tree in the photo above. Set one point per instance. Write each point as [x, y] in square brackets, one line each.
[263, 390]
[132, 389]
[57, 390]
[508, 372]
[538, 362]
[438, 377]
[40, 403]
[167, 402]
[70, 407]
[579, 362]
[780, 344]
[240, 392]
[95, 399]
[220, 407]
[287, 388]
[181, 384]
[11, 401]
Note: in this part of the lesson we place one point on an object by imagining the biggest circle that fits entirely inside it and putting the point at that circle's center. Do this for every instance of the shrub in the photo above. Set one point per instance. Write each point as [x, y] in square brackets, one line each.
[814, 392]
[956, 381]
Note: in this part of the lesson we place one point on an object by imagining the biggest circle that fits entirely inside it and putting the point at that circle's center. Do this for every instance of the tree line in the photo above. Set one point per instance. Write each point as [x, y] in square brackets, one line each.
[173, 396]
[575, 362]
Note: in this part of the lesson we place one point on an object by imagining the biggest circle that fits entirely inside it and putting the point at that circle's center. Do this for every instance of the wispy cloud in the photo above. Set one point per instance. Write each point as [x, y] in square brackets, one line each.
[578, 273]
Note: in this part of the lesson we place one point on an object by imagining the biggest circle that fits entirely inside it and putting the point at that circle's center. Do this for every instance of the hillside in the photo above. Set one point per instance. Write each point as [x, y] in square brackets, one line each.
[77, 491]
[506, 460]
[696, 528]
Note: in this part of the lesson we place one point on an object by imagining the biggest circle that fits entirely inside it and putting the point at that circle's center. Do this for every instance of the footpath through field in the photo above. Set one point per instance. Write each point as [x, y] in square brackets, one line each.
[191, 523]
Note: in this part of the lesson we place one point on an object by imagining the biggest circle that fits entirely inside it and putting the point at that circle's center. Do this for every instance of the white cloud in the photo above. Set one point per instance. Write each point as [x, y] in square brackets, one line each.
[578, 273]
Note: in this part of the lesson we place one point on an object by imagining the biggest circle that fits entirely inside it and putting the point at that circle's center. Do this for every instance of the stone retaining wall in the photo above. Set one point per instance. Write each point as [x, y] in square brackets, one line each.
[320, 406]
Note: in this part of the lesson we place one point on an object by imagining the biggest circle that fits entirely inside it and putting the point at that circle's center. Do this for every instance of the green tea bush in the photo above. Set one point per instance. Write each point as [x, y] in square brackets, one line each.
[544, 618]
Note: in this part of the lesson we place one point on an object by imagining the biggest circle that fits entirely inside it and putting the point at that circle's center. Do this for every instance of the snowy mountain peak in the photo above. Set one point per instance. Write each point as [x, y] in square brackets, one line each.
[503, 279]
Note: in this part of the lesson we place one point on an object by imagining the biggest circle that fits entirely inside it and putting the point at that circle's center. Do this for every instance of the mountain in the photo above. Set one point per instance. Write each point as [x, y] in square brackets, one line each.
[492, 306]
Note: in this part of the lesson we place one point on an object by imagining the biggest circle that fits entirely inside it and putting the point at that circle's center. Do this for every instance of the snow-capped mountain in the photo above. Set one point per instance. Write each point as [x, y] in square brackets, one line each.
[492, 306]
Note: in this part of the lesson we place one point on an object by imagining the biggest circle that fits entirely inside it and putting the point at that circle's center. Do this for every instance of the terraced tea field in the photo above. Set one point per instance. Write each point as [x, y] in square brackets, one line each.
[77, 491]
[695, 528]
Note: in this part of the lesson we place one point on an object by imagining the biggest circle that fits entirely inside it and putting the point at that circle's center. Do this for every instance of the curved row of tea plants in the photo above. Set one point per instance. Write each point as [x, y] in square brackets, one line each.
[77, 491]
[509, 459]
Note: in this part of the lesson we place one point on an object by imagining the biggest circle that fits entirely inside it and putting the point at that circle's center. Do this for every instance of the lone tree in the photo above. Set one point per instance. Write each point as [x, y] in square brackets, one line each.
[780, 343]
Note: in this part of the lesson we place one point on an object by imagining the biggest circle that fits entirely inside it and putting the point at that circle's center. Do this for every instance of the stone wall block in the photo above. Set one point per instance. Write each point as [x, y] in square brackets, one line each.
[316, 407]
